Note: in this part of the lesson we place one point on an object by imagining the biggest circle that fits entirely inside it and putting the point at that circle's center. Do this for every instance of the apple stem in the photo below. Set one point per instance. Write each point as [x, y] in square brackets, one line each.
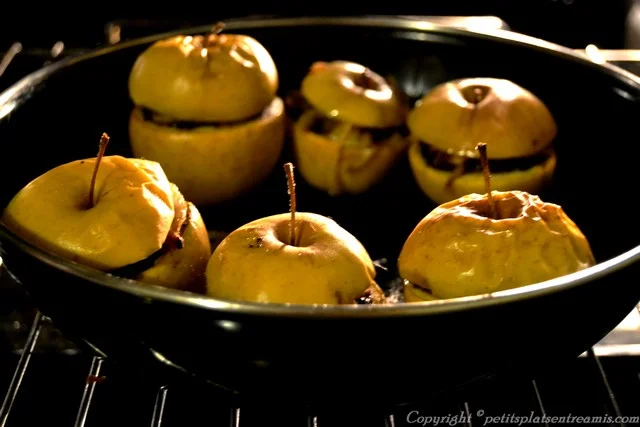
[217, 29]
[482, 149]
[477, 92]
[104, 141]
[291, 184]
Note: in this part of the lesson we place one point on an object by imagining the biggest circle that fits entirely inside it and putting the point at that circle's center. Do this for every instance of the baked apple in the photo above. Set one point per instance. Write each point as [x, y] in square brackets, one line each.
[206, 109]
[115, 214]
[349, 133]
[484, 243]
[448, 122]
[296, 258]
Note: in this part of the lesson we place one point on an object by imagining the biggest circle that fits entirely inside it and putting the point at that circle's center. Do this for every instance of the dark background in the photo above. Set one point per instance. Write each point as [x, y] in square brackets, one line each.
[573, 23]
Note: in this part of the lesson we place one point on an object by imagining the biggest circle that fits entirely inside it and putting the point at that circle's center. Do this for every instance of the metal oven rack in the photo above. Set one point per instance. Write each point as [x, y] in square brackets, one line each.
[539, 401]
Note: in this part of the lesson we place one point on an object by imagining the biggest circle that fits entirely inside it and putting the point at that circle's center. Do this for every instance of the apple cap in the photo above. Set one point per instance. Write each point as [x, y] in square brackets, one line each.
[457, 115]
[219, 78]
[351, 92]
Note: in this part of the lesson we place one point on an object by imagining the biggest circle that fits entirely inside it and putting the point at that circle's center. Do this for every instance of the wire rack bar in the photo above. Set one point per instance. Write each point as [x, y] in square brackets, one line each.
[87, 395]
[21, 369]
[312, 421]
[235, 417]
[390, 421]
[158, 407]
[536, 390]
[612, 401]
[467, 411]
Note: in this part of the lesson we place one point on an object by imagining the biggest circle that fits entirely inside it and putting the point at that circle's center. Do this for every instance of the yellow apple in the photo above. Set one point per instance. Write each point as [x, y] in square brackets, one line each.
[206, 109]
[349, 136]
[452, 118]
[460, 250]
[135, 213]
[258, 263]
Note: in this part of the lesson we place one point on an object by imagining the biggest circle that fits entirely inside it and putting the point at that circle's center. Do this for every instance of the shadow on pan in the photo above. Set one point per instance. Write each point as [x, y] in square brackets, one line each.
[393, 354]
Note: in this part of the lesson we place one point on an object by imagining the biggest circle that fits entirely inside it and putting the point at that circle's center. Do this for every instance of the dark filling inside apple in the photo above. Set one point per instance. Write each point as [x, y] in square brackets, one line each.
[172, 242]
[461, 165]
[333, 128]
[328, 127]
[159, 119]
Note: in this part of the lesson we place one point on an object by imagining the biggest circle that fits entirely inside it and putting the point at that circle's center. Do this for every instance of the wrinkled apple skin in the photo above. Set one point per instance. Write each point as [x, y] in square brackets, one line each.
[135, 209]
[457, 250]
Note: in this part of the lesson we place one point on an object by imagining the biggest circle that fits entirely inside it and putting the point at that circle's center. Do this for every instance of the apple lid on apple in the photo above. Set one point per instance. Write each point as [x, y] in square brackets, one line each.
[484, 243]
[178, 77]
[446, 123]
[510, 119]
[353, 94]
[206, 108]
[349, 127]
[292, 258]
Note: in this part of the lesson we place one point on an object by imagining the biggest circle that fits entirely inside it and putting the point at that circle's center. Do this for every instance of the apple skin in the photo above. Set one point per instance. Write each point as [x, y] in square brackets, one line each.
[331, 89]
[254, 264]
[457, 250]
[232, 79]
[512, 121]
[183, 268]
[340, 168]
[213, 164]
[433, 182]
[130, 220]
